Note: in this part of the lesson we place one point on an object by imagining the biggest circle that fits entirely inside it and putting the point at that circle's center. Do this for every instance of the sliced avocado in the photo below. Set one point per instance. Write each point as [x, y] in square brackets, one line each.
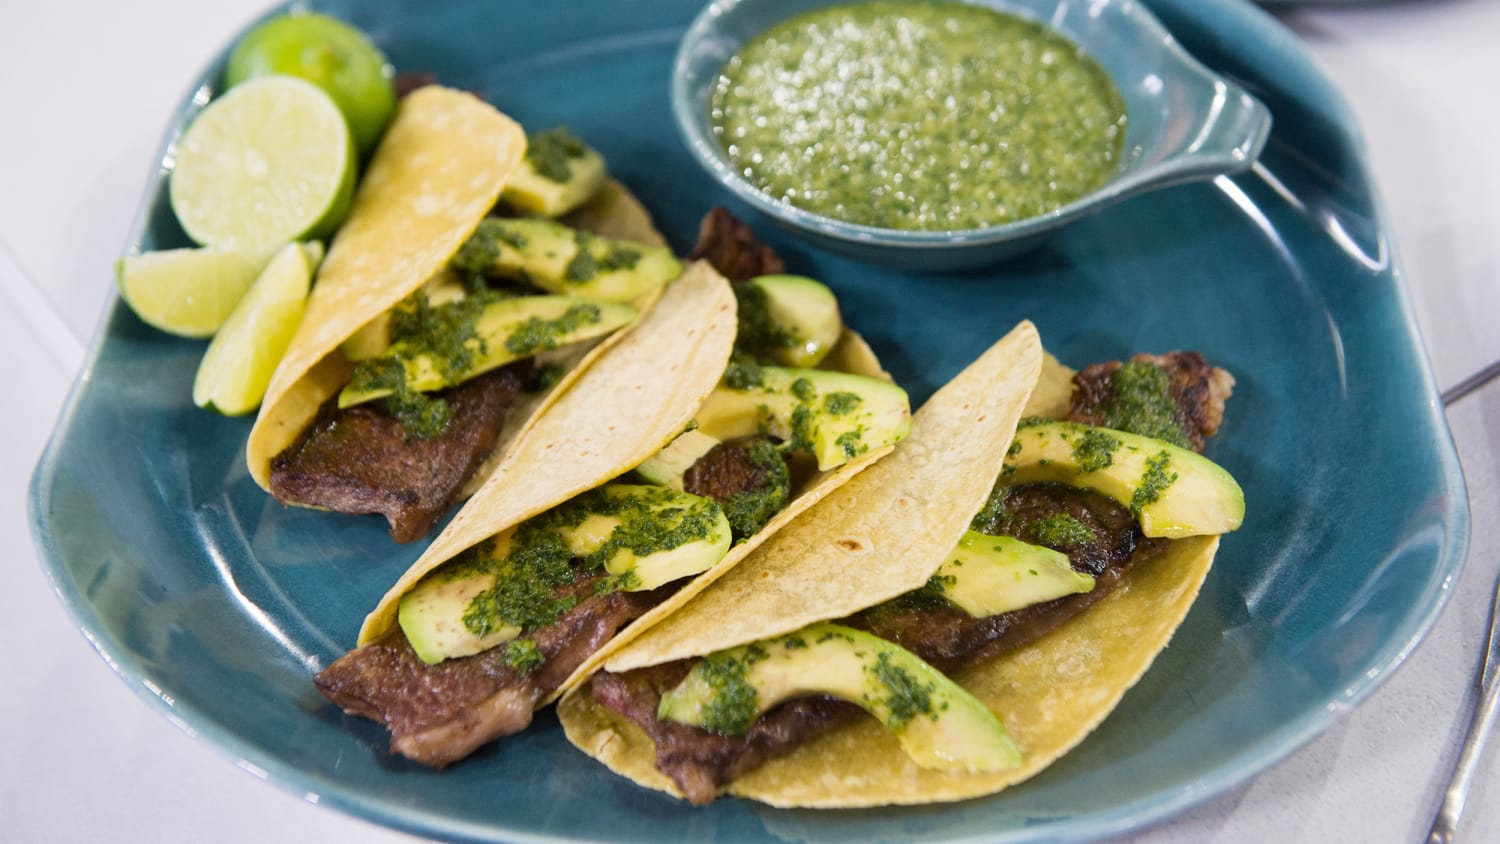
[789, 319]
[374, 337]
[938, 724]
[499, 331]
[654, 534]
[644, 536]
[558, 174]
[835, 416]
[559, 259]
[1174, 492]
[989, 575]
[668, 466]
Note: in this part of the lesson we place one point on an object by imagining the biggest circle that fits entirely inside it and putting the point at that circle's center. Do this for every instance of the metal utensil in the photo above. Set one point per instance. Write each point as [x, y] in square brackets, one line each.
[1487, 705]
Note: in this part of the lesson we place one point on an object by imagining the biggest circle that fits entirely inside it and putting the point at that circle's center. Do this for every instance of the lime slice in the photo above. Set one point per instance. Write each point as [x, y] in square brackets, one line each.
[331, 55]
[188, 292]
[269, 162]
[237, 367]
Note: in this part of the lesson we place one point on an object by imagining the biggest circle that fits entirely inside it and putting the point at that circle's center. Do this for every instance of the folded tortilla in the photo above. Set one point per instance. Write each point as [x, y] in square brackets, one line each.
[618, 412]
[881, 536]
[438, 171]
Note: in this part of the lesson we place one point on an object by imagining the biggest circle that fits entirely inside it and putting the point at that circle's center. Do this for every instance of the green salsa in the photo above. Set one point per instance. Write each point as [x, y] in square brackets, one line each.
[909, 115]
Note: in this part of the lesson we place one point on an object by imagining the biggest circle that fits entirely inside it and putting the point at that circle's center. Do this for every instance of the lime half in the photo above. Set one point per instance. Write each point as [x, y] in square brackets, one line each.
[330, 54]
[237, 367]
[187, 292]
[269, 162]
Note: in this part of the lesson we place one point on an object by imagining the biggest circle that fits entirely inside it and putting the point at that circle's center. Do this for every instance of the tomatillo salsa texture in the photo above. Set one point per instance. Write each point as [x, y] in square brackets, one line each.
[912, 115]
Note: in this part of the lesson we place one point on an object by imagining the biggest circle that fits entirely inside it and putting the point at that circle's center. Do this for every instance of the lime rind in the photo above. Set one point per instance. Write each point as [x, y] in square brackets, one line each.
[329, 53]
[238, 364]
[187, 292]
[269, 162]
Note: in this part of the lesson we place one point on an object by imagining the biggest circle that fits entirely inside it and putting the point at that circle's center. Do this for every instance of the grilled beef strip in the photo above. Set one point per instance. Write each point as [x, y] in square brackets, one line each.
[731, 247]
[747, 476]
[361, 460]
[438, 714]
[1198, 391]
[700, 762]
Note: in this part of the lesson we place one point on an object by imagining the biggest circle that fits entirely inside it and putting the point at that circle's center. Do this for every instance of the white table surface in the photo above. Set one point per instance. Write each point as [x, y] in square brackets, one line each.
[88, 86]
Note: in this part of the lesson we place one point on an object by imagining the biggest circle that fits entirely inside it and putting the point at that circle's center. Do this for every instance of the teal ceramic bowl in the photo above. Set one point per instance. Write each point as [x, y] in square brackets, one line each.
[1185, 122]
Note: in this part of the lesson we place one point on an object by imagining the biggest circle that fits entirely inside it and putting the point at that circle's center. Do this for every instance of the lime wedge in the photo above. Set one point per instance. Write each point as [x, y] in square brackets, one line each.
[269, 162]
[187, 292]
[330, 54]
[237, 367]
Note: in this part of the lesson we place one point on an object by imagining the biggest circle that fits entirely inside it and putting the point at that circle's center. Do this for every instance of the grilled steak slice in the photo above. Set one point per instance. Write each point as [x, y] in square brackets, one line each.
[1196, 390]
[748, 477]
[700, 761]
[438, 714]
[361, 460]
[730, 246]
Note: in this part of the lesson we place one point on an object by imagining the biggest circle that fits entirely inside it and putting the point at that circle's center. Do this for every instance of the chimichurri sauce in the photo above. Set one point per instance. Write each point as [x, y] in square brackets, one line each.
[914, 115]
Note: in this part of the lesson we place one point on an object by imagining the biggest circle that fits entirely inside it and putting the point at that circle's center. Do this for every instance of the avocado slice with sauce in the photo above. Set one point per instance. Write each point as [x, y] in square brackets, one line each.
[836, 416]
[1174, 492]
[989, 575]
[558, 174]
[647, 536]
[503, 331]
[667, 467]
[559, 259]
[789, 319]
[938, 724]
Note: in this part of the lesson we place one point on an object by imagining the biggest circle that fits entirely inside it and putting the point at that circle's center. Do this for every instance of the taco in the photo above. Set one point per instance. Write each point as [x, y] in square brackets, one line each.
[436, 334]
[557, 558]
[987, 627]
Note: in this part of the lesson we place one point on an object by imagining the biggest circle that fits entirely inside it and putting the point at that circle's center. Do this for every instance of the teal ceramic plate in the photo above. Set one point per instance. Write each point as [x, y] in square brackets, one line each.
[217, 604]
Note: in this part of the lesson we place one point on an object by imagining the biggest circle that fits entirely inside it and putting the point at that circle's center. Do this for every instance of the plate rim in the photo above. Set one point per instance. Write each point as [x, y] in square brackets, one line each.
[1131, 816]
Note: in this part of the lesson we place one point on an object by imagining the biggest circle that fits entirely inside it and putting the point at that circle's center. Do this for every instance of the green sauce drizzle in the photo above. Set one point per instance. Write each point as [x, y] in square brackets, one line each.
[749, 510]
[1141, 402]
[550, 150]
[906, 697]
[733, 707]
[1153, 483]
[523, 655]
[1058, 530]
[1095, 450]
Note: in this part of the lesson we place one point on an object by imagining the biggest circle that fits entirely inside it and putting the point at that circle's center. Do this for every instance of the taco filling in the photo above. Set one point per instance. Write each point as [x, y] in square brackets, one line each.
[484, 637]
[441, 322]
[948, 624]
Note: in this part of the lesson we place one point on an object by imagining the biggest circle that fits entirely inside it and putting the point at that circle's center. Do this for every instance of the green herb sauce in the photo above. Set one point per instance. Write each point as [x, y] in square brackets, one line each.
[749, 510]
[523, 655]
[539, 335]
[734, 704]
[905, 696]
[537, 563]
[548, 153]
[918, 115]
[1153, 483]
[1058, 530]
[1140, 402]
[1095, 450]
[759, 335]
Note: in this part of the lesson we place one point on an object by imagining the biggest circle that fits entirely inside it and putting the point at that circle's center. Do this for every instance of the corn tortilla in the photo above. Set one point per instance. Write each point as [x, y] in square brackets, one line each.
[437, 172]
[1050, 694]
[618, 412]
[844, 556]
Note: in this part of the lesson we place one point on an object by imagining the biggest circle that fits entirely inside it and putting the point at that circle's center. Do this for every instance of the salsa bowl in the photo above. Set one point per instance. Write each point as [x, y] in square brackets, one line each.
[1184, 123]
